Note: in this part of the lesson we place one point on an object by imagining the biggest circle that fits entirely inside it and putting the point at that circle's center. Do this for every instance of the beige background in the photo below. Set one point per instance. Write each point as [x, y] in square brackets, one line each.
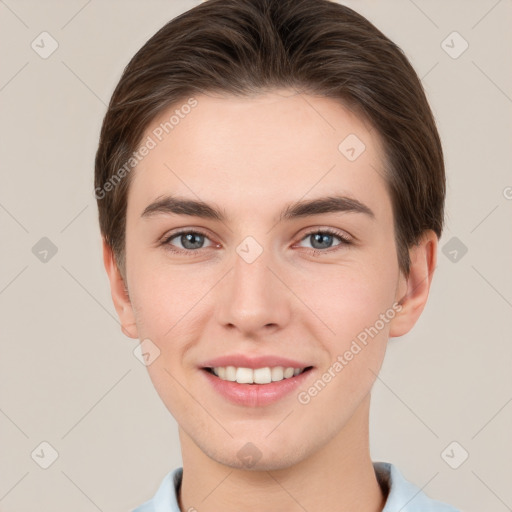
[69, 377]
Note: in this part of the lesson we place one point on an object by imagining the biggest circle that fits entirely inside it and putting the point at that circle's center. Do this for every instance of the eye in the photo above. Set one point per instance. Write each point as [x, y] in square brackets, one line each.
[323, 239]
[186, 241]
[189, 241]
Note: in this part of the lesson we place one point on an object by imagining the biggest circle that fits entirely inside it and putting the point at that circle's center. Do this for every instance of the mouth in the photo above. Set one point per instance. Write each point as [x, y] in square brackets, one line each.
[259, 376]
[255, 380]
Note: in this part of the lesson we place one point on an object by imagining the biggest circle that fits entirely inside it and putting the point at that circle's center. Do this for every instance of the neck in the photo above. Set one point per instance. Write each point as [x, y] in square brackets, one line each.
[339, 478]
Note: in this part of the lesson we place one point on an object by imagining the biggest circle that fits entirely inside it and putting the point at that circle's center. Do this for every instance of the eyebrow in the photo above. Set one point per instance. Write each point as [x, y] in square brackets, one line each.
[196, 208]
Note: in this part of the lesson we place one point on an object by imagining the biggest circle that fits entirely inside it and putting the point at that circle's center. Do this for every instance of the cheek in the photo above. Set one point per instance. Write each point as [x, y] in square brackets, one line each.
[167, 301]
[357, 307]
[348, 298]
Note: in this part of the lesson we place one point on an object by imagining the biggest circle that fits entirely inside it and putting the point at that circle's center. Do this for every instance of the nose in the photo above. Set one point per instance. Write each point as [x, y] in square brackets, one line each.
[252, 299]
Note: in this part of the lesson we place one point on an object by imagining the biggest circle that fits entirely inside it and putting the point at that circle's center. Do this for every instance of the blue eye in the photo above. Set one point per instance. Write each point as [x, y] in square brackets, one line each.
[189, 240]
[192, 241]
[322, 239]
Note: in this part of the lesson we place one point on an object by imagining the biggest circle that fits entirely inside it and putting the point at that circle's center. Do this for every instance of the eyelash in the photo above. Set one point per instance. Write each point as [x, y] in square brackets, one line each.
[344, 241]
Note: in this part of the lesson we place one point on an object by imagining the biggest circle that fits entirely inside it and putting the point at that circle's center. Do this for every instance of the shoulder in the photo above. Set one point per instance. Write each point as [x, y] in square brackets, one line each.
[166, 497]
[404, 495]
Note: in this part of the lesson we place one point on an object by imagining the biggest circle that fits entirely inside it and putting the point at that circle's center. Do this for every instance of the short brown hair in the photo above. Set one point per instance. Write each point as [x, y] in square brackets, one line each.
[243, 47]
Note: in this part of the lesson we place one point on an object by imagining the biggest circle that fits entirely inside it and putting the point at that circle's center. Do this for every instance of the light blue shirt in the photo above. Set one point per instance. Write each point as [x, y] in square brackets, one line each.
[402, 496]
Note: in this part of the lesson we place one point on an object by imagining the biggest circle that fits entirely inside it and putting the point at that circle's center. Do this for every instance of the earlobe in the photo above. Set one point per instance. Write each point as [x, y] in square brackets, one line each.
[119, 293]
[413, 292]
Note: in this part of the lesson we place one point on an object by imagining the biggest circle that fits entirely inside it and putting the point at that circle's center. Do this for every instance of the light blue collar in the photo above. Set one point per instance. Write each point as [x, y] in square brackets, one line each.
[402, 495]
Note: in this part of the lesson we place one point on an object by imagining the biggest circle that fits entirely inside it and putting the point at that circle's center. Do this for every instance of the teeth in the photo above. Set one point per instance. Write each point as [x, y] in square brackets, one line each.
[288, 372]
[244, 376]
[230, 373]
[256, 376]
[277, 373]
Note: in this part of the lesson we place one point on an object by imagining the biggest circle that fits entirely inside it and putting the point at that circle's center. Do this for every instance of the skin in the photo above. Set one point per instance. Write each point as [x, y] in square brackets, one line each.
[252, 156]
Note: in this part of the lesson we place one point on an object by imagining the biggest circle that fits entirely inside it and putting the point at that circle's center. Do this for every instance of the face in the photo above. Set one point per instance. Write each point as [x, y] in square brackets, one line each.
[266, 274]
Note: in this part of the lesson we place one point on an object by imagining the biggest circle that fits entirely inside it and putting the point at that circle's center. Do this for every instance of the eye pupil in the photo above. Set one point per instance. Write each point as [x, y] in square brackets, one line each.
[324, 239]
[192, 240]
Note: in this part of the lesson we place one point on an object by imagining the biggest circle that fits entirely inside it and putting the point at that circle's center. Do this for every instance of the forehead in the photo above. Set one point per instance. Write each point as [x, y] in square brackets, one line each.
[249, 151]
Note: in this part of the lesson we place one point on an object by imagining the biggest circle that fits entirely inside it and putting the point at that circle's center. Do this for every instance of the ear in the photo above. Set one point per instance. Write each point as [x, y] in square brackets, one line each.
[119, 293]
[412, 291]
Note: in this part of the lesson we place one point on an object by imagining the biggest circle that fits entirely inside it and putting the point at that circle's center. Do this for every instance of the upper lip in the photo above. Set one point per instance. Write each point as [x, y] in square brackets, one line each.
[245, 361]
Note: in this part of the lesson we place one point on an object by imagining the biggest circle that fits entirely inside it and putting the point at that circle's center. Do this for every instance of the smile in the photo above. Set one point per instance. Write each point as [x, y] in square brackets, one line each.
[264, 375]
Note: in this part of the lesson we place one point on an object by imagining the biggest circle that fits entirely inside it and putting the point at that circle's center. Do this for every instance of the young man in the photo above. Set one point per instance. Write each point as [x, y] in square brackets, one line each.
[270, 184]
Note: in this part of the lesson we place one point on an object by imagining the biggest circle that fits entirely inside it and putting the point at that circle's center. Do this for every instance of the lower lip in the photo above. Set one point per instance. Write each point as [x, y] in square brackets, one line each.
[255, 395]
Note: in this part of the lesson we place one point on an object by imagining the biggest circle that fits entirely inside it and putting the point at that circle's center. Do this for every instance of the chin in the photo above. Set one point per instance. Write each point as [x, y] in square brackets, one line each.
[255, 455]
